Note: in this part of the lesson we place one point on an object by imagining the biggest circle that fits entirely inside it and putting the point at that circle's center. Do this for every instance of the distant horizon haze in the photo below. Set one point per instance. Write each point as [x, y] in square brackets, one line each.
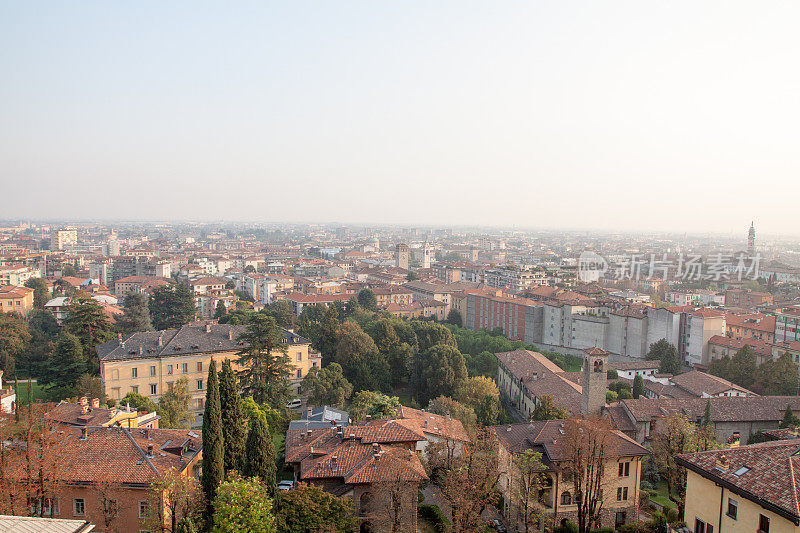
[609, 116]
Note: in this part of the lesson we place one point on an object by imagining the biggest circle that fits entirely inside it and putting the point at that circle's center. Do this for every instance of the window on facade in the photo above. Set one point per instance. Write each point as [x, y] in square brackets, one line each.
[624, 469]
[135, 389]
[733, 508]
[153, 389]
[566, 498]
[144, 508]
[185, 368]
[199, 403]
[199, 384]
[622, 494]
[763, 523]
[299, 356]
[299, 373]
[78, 507]
[134, 372]
[153, 370]
[115, 374]
[169, 370]
[170, 385]
[199, 366]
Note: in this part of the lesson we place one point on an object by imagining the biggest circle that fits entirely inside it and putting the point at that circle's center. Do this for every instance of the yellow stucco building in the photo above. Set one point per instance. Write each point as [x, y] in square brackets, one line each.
[149, 363]
[743, 489]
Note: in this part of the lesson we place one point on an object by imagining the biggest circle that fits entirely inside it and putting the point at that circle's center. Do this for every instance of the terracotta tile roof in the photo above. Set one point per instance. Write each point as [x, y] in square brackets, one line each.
[8, 292]
[636, 365]
[700, 384]
[547, 436]
[759, 346]
[755, 321]
[542, 377]
[723, 408]
[119, 455]
[766, 473]
[429, 423]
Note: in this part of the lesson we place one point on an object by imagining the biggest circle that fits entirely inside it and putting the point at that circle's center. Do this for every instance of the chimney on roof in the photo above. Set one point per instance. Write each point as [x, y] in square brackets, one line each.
[723, 464]
[147, 433]
[112, 412]
[141, 349]
[84, 401]
[333, 463]
[208, 327]
[84, 433]
[96, 403]
[119, 338]
[149, 450]
[230, 334]
[160, 340]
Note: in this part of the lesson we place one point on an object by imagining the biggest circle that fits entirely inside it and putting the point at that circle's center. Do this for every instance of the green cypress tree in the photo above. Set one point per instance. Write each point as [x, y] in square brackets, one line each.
[186, 525]
[260, 455]
[638, 386]
[707, 415]
[213, 471]
[234, 430]
[789, 419]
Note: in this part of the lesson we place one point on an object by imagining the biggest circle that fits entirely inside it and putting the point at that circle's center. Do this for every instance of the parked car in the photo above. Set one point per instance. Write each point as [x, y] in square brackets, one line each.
[294, 404]
[286, 485]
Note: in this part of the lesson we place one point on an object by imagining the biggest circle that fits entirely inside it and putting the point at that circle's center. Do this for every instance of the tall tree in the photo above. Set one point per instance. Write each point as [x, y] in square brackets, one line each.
[87, 321]
[41, 294]
[283, 313]
[526, 482]
[742, 368]
[363, 364]
[213, 444]
[444, 405]
[638, 386]
[327, 386]
[264, 361]
[260, 455]
[172, 307]
[136, 316]
[430, 334]
[789, 418]
[441, 368]
[173, 406]
[777, 378]
[480, 393]
[44, 332]
[547, 409]
[375, 404]
[309, 508]
[68, 362]
[234, 429]
[667, 353]
[676, 435]
[454, 317]
[320, 324]
[706, 422]
[243, 505]
[14, 338]
[220, 311]
[588, 444]
[367, 300]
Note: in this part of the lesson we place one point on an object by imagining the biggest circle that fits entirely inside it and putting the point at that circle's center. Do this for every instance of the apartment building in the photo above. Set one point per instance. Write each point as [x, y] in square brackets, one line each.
[520, 318]
[787, 325]
[138, 284]
[701, 297]
[513, 279]
[743, 488]
[620, 476]
[720, 346]
[63, 238]
[750, 326]
[16, 299]
[688, 328]
[747, 298]
[150, 362]
[16, 274]
[391, 294]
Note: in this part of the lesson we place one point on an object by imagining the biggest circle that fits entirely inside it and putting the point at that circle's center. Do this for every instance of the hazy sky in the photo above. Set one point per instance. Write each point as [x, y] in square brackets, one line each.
[608, 114]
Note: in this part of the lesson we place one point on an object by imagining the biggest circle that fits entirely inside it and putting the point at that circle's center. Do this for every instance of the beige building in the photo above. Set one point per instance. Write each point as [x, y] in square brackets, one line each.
[16, 299]
[743, 489]
[63, 238]
[149, 363]
[620, 482]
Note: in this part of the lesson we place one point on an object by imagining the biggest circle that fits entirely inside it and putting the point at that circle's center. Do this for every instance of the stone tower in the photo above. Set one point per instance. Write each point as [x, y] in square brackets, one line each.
[401, 253]
[427, 255]
[751, 240]
[593, 381]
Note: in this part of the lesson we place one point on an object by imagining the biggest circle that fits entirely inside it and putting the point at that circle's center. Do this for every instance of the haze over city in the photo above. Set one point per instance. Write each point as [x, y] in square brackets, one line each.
[676, 116]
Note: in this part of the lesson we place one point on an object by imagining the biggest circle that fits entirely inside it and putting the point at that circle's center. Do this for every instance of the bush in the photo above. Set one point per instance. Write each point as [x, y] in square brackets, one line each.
[635, 527]
[435, 516]
[569, 527]
[612, 374]
[672, 515]
[603, 530]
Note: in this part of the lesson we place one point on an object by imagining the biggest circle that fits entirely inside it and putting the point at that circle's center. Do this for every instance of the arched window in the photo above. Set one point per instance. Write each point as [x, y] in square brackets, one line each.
[365, 503]
[598, 366]
[566, 498]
